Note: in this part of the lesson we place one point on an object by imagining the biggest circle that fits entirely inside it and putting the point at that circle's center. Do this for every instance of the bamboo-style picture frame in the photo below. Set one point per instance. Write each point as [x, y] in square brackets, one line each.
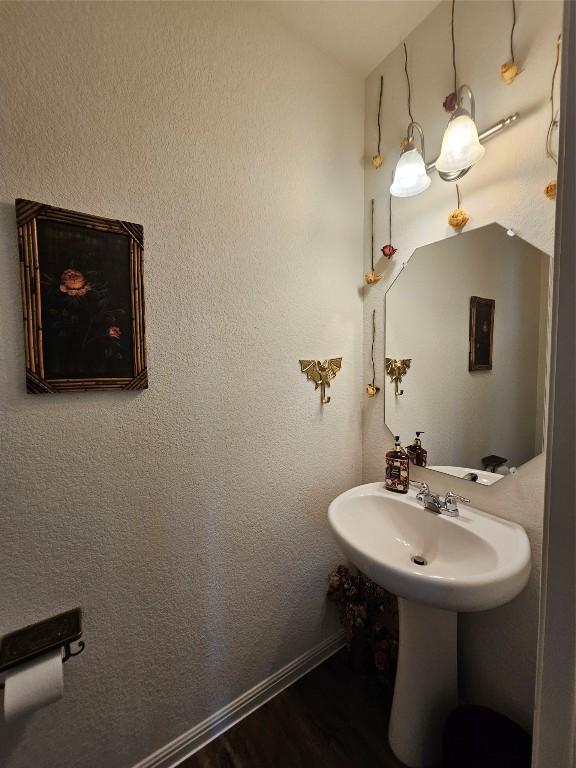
[83, 300]
[481, 333]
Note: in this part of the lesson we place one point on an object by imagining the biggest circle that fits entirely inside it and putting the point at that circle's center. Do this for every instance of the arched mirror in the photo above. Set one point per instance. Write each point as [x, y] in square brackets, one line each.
[468, 315]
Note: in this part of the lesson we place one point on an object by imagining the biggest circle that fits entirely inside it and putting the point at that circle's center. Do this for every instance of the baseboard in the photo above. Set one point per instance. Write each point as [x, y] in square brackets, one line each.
[185, 745]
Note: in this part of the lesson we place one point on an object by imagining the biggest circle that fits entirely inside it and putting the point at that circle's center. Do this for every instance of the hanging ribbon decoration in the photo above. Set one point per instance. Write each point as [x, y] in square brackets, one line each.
[451, 101]
[509, 70]
[372, 277]
[388, 250]
[458, 218]
[377, 159]
[550, 189]
[372, 390]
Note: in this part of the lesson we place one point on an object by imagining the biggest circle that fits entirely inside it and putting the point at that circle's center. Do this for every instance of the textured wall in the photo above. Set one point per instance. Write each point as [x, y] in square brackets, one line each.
[498, 647]
[189, 521]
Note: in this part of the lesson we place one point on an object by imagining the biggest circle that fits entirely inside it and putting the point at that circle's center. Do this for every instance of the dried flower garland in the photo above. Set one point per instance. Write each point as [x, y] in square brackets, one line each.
[388, 250]
[408, 84]
[451, 101]
[369, 615]
[550, 189]
[377, 159]
[372, 277]
[509, 71]
[372, 390]
[458, 218]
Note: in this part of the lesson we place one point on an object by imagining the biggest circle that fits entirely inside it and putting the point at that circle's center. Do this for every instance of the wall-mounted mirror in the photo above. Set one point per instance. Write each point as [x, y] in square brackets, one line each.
[470, 313]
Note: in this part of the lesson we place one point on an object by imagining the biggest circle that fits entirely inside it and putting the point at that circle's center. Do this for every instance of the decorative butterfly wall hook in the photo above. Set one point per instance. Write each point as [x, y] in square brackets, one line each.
[397, 369]
[321, 374]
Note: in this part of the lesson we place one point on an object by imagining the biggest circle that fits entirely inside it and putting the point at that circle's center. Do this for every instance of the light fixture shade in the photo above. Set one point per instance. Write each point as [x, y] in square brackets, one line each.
[461, 147]
[410, 177]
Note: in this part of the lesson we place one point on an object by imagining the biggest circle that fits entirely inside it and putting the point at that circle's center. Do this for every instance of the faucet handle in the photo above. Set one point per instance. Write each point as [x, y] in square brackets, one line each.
[450, 505]
[423, 492]
[451, 496]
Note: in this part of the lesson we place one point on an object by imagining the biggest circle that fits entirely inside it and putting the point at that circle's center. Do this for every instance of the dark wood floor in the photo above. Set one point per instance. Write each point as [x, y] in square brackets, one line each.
[331, 718]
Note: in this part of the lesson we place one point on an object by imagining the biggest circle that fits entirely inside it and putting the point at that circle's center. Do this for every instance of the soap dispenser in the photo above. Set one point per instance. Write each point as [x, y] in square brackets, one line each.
[417, 454]
[397, 469]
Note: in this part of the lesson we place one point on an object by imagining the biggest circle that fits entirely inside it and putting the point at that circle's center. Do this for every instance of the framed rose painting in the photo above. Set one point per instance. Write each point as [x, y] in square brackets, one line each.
[481, 333]
[83, 300]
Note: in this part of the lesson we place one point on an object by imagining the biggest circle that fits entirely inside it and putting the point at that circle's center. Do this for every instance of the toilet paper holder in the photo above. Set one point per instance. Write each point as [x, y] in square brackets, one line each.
[29, 642]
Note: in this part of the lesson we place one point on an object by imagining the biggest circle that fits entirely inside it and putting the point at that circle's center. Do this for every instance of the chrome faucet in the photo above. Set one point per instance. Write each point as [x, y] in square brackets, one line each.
[435, 503]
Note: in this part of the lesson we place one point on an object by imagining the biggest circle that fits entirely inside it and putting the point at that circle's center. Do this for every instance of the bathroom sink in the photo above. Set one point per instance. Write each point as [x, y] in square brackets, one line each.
[437, 565]
[467, 563]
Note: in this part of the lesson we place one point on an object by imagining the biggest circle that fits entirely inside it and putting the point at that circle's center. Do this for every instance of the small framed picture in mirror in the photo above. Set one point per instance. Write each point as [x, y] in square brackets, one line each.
[481, 333]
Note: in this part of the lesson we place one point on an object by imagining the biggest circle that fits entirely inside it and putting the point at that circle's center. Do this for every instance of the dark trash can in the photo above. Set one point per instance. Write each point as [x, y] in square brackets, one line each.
[478, 737]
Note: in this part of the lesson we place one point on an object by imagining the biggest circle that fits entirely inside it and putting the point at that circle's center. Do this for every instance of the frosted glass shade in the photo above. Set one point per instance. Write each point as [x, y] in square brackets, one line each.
[410, 177]
[460, 145]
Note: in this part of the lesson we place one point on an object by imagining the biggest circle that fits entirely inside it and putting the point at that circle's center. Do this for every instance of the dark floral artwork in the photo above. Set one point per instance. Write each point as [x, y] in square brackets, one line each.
[83, 302]
[481, 333]
[85, 285]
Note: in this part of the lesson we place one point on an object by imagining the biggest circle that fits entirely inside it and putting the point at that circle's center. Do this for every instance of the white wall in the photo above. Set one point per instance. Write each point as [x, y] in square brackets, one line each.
[189, 521]
[464, 414]
[498, 647]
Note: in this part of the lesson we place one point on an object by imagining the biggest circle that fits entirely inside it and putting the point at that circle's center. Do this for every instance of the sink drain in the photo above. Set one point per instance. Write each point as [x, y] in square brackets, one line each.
[419, 560]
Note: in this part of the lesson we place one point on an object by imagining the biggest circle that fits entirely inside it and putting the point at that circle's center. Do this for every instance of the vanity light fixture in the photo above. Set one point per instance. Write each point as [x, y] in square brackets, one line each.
[410, 176]
[495, 129]
[461, 148]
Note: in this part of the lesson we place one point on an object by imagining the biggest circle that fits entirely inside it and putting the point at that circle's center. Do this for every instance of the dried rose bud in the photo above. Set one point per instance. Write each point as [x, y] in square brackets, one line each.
[388, 250]
[377, 160]
[372, 277]
[550, 190]
[372, 390]
[458, 218]
[450, 102]
[509, 71]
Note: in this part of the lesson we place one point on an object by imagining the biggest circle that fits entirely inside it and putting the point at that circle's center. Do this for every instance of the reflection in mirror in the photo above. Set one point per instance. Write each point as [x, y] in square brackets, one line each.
[471, 313]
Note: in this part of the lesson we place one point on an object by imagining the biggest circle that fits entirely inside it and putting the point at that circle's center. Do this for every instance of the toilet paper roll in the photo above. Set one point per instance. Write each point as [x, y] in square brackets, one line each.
[33, 684]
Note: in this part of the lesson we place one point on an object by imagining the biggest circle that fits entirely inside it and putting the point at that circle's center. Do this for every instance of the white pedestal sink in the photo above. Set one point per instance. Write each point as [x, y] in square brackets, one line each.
[437, 565]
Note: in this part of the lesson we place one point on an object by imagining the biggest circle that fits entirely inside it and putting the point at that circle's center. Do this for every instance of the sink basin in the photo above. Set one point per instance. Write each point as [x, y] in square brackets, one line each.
[437, 565]
[473, 562]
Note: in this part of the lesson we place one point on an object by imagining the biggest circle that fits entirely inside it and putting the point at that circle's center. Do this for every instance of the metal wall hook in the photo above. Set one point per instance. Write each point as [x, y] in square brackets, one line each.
[323, 399]
[396, 369]
[68, 654]
[321, 374]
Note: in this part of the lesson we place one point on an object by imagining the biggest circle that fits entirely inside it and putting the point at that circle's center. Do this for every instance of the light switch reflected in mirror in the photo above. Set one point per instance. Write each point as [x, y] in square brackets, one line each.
[473, 311]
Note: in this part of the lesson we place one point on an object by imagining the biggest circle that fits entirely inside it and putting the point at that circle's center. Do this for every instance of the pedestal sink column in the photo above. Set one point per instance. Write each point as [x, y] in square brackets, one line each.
[426, 689]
